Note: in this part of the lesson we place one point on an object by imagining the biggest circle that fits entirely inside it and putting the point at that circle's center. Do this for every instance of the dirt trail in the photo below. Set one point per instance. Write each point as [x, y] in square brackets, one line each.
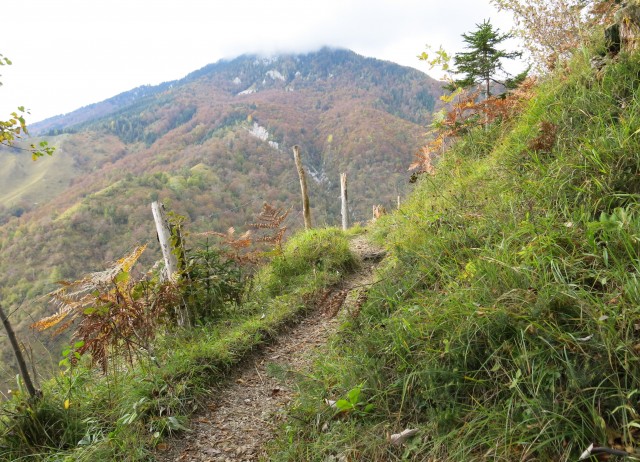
[247, 409]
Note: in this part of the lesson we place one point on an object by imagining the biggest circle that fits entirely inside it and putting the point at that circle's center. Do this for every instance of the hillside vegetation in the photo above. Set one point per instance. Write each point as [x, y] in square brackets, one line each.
[502, 326]
[125, 410]
[505, 325]
[213, 147]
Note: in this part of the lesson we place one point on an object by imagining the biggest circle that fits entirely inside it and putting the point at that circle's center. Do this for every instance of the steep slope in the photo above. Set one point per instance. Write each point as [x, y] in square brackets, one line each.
[506, 322]
[214, 146]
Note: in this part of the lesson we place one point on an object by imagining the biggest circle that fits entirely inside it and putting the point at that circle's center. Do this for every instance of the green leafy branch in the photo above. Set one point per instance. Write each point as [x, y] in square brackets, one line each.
[15, 128]
[352, 403]
[440, 58]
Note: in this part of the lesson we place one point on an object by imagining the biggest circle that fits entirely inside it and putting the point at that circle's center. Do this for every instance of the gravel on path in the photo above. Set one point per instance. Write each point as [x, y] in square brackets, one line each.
[244, 413]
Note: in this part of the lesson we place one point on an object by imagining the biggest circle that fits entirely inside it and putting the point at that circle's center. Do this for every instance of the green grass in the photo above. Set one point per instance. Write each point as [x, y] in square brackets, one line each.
[28, 181]
[123, 415]
[312, 259]
[505, 327]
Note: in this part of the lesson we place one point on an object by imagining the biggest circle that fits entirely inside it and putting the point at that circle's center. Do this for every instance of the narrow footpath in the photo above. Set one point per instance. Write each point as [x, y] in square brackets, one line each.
[248, 408]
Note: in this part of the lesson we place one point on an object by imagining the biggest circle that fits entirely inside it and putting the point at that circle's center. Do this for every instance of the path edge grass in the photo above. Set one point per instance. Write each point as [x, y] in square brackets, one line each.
[84, 416]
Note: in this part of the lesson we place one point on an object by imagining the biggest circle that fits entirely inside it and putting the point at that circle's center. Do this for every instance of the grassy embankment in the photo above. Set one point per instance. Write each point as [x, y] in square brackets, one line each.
[86, 416]
[507, 323]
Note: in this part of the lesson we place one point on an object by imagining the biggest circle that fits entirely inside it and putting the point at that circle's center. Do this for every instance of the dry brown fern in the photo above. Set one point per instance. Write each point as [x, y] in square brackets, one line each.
[267, 229]
[234, 248]
[545, 139]
[115, 317]
[271, 218]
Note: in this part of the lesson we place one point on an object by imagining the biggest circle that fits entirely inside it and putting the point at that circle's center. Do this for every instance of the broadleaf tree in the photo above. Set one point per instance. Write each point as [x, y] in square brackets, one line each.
[12, 130]
[552, 30]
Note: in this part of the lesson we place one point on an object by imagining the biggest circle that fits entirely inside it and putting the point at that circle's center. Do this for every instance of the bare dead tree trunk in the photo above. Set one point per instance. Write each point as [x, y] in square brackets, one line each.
[164, 237]
[22, 365]
[303, 186]
[345, 204]
[170, 260]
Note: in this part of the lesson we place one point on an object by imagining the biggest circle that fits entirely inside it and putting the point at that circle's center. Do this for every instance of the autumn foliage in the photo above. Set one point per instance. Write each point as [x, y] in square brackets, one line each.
[268, 228]
[118, 315]
[552, 30]
[115, 315]
[465, 112]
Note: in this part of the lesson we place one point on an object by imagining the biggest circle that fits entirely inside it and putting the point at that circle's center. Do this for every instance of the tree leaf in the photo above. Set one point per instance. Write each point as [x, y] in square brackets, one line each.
[343, 405]
[398, 439]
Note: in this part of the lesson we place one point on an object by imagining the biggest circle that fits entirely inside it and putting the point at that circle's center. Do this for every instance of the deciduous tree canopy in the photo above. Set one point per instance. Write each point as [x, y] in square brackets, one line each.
[552, 29]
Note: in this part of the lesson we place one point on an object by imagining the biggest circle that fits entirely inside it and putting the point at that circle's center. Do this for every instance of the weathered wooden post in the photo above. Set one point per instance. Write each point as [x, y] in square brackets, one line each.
[22, 365]
[343, 196]
[170, 260]
[303, 186]
[398, 202]
[628, 20]
[164, 237]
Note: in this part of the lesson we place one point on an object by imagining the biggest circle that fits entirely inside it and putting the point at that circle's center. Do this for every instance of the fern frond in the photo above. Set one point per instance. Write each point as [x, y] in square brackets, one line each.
[50, 321]
[109, 314]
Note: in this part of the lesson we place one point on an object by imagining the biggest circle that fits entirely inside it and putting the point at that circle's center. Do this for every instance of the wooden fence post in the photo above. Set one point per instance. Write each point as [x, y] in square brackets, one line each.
[169, 256]
[343, 196]
[303, 186]
[164, 237]
[22, 365]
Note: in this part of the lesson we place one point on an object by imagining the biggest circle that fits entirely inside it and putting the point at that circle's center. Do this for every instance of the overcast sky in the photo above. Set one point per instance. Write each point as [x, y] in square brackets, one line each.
[70, 53]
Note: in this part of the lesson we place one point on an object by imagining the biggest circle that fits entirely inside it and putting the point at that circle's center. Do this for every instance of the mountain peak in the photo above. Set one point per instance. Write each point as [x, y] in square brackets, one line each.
[251, 73]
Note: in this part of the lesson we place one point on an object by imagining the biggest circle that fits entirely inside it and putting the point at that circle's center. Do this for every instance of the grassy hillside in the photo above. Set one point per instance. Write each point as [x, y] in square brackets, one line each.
[28, 184]
[506, 323]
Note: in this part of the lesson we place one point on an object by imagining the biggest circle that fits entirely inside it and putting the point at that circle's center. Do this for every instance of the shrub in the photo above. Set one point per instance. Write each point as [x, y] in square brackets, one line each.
[210, 283]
